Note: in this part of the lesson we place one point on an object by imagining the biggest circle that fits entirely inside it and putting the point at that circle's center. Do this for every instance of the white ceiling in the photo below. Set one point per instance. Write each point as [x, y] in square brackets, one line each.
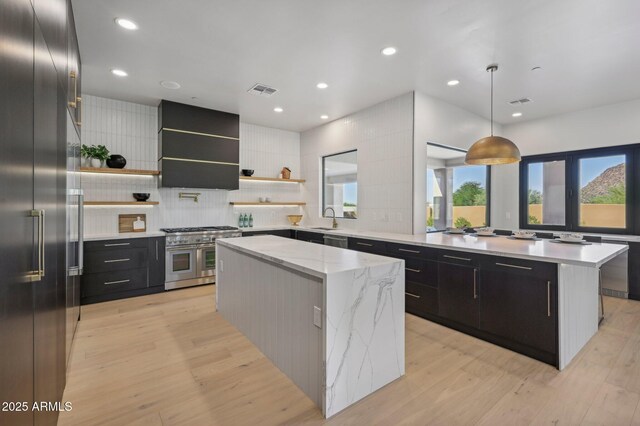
[588, 51]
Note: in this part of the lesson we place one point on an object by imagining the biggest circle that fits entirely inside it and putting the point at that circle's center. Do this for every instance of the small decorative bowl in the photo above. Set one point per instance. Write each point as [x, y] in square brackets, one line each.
[141, 196]
[116, 161]
[524, 235]
[455, 230]
[571, 237]
[484, 231]
[294, 219]
[247, 172]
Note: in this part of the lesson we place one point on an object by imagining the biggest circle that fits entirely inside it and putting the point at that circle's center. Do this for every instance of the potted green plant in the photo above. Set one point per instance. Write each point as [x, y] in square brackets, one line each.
[84, 155]
[97, 153]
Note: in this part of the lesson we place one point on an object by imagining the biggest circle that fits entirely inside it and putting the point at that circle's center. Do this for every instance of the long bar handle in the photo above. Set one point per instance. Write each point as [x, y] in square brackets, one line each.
[117, 244]
[466, 259]
[116, 282]
[514, 266]
[417, 271]
[117, 260]
[364, 244]
[409, 251]
[156, 249]
[80, 232]
[74, 77]
[36, 274]
[475, 283]
[548, 298]
[79, 102]
[412, 295]
[42, 243]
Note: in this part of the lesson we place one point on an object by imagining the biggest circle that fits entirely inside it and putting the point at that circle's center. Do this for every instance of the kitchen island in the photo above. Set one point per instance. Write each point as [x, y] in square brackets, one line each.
[537, 297]
[331, 319]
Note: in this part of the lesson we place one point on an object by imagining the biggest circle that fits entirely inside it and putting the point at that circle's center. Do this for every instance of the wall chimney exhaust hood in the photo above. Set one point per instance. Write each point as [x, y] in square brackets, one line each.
[198, 147]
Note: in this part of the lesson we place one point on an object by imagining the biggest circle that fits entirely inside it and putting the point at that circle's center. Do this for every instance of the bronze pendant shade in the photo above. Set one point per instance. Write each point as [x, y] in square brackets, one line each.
[492, 150]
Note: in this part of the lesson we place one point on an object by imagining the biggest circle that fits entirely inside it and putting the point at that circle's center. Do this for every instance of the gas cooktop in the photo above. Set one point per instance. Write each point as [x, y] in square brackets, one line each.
[198, 229]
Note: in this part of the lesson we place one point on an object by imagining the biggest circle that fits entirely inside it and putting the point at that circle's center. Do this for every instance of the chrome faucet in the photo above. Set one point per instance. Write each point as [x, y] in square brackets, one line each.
[335, 222]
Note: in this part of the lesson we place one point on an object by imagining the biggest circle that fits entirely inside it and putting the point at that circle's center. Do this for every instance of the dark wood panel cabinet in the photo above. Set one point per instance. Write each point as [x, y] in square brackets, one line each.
[311, 237]
[117, 269]
[421, 299]
[367, 246]
[184, 173]
[519, 306]
[286, 233]
[634, 270]
[174, 115]
[458, 293]
[156, 259]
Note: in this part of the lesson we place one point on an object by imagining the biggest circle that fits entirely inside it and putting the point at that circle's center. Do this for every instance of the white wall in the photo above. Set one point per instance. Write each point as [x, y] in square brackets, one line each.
[383, 136]
[131, 130]
[439, 122]
[610, 125]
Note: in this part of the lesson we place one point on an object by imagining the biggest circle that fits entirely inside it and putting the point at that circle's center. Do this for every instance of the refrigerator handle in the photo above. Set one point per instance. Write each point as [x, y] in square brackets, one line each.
[80, 231]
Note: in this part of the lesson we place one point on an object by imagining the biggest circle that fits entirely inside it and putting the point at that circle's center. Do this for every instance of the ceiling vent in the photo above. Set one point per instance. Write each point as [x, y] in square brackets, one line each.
[262, 90]
[520, 101]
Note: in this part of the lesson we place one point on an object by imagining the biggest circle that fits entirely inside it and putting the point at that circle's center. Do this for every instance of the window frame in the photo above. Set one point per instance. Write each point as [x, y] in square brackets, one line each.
[322, 183]
[572, 189]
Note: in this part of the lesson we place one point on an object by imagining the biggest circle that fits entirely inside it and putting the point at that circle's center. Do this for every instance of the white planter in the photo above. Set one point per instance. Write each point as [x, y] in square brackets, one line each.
[96, 162]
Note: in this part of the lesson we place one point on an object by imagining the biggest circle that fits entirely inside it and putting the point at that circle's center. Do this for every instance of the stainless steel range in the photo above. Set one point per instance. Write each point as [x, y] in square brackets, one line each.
[191, 254]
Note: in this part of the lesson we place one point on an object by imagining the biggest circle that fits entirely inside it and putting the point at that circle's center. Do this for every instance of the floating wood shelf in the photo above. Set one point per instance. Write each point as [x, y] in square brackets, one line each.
[119, 171]
[268, 179]
[273, 203]
[121, 203]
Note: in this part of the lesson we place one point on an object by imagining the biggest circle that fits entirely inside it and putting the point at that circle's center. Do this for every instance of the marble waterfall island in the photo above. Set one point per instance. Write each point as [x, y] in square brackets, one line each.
[331, 319]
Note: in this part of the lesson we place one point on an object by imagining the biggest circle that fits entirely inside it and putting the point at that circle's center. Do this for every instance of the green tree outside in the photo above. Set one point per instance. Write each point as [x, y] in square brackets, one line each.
[470, 194]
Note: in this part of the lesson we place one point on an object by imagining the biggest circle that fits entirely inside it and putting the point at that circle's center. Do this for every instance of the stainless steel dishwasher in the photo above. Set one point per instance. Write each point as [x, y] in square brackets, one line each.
[615, 274]
[336, 241]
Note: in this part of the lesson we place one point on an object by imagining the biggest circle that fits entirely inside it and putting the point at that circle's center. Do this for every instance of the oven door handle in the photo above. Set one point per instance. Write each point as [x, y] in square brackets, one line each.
[206, 246]
[181, 248]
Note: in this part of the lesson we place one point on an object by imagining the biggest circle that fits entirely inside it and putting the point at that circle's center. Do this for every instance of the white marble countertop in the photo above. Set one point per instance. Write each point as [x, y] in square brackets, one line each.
[313, 259]
[124, 235]
[542, 250]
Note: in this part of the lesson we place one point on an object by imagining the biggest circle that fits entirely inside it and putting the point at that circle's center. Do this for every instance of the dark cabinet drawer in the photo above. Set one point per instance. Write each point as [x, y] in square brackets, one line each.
[422, 272]
[406, 251]
[459, 257]
[311, 237]
[542, 270]
[198, 147]
[421, 299]
[369, 246]
[115, 244]
[286, 233]
[113, 282]
[116, 260]
[156, 258]
[458, 291]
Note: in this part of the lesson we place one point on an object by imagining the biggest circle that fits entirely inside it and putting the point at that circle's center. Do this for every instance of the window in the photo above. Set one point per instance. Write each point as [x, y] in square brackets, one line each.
[546, 193]
[340, 184]
[457, 194]
[603, 192]
[589, 191]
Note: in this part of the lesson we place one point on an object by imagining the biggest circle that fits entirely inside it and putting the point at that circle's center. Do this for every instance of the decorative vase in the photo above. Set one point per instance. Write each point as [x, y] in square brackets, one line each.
[96, 162]
[116, 161]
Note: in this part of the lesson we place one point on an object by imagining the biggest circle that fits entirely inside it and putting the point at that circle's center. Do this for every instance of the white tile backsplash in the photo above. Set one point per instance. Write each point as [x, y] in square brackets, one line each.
[383, 136]
[130, 129]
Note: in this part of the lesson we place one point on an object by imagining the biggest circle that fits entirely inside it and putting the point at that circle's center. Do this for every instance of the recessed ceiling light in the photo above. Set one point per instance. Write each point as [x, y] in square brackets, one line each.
[126, 24]
[278, 109]
[324, 116]
[388, 51]
[322, 85]
[516, 114]
[119, 73]
[453, 82]
[168, 84]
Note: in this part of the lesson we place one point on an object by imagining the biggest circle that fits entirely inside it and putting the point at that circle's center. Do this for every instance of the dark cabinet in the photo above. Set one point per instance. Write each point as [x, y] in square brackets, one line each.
[634, 270]
[368, 246]
[116, 269]
[156, 261]
[421, 299]
[518, 301]
[17, 245]
[286, 233]
[198, 147]
[458, 293]
[73, 74]
[311, 237]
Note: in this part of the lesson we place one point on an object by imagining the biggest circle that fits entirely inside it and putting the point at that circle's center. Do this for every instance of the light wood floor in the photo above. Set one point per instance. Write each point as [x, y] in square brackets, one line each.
[169, 359]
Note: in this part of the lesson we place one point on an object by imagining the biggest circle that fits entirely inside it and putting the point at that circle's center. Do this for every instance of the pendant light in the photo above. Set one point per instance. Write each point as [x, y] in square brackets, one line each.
[492, 150]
